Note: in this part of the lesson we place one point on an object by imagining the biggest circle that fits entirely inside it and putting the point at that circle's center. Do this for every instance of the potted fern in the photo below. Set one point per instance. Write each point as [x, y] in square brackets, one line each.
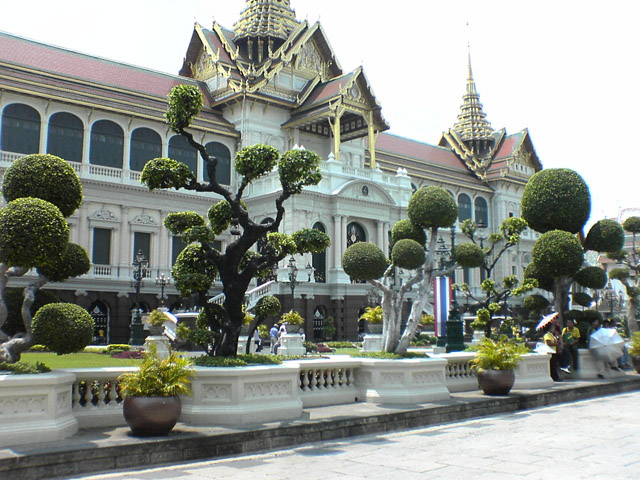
[151, 395]
[292, 320]
[495, 364]
[373, 318]
[156, 321]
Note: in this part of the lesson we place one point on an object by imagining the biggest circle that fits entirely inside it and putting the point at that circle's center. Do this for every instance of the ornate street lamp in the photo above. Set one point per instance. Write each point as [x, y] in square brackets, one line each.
[162, 282]
[293, 278]
[455, 328]
[141, 265]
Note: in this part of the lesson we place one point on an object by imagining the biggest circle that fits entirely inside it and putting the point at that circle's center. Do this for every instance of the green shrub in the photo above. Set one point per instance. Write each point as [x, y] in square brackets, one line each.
[267, 306]
[364, 261]
[373, 315]
[292, 318]
[592, 315]
[46, 177]
[73, 263]
[634, 349]
[239, 361]
[179, 222]
[406, 229]
[311, 240]
[535, 302]
[632, 225]
[545, 282]
[297, 169]
[116, 351]
[556, 199]
[310, 347]
[185, 102]
[583, 299]
[557, 253]
[500, 354]
[605, 236]
[118, 346]
[591, 277]
[21, 368]
[469, 255]
[407, 254]
[38, 348]
[192, 271]
[388, 355]
[432, 207]
[32, 232]
[342, 345]
[256, 160]
[13, 298]
[160, 173]
[63, 327]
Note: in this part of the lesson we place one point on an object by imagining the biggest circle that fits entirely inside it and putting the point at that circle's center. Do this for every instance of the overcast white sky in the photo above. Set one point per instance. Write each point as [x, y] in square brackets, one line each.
[566, 70]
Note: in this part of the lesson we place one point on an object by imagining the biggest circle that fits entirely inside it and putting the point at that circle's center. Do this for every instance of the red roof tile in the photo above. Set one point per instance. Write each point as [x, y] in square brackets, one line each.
[60, 61]
[420, 151]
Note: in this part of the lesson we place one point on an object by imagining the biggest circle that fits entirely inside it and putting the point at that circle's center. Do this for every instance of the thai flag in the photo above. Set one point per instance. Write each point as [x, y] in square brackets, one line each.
[441, 304]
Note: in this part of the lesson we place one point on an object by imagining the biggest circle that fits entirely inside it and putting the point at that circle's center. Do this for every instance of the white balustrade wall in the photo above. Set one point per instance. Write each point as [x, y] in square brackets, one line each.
[61, 402]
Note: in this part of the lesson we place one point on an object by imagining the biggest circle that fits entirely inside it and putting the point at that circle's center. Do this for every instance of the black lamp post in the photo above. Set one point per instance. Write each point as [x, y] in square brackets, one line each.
[141, 265]
[162, 282]
[293, 278]
[455, 328]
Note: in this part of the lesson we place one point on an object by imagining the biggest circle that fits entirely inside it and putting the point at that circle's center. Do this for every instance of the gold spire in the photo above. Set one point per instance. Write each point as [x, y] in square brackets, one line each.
[472, 125]
[267, 19]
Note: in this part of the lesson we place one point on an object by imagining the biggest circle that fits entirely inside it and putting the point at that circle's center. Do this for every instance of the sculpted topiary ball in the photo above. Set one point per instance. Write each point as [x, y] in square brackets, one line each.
[364, 261]
[591, 277]
[407, 229]
[556, 199]
[44, 176]
[33, 233]
[632, 225]
[605, 236]
[557, 254]
[432, 207]
[469, 255]
[63, 327]
[407, 254]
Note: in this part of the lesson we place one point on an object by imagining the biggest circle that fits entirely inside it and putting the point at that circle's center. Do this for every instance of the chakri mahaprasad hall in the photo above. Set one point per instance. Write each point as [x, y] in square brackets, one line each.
[270, 79]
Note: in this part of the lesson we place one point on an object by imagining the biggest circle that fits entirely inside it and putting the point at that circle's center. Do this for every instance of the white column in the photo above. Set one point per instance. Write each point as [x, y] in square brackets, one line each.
[337, 244]
[380, 234]
[125, 258]
[83, 228]
[385, 238]
[44, 133]
[164, 254]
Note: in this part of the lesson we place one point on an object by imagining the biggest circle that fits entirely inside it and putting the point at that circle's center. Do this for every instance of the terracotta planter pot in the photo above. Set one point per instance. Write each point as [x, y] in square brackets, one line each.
[151, 416]
[156, 330]
[293, 328]
[496, 382]
[635, 360]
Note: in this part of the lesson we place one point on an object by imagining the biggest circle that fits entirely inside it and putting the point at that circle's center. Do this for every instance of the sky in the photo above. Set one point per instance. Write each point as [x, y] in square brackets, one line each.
[565, 70]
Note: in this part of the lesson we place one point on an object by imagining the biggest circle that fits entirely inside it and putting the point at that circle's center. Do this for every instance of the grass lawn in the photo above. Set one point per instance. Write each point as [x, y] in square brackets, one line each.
[77, 360]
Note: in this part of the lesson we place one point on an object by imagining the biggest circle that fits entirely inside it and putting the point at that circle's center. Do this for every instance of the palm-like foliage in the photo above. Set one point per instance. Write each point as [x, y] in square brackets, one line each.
[158, 377]
[500, 354]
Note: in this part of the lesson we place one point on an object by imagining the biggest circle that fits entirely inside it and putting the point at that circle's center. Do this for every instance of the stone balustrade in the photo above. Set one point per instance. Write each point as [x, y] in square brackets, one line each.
[53, 406]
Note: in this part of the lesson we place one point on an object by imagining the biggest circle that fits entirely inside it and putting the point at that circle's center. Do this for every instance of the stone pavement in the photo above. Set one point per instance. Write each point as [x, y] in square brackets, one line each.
[114, 449]
[591, 439]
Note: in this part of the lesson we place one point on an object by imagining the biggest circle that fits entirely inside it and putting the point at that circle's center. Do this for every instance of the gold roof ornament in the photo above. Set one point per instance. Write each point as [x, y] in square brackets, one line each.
[266, 18]
[472, 125]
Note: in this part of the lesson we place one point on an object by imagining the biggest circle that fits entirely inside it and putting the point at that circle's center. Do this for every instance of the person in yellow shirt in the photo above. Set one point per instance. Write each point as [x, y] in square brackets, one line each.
[571, 337]
[552, 342]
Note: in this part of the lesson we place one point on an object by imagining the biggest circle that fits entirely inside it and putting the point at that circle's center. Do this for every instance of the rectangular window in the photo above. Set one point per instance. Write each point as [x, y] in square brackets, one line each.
[177, 245]
[142, 242]
[101, 254]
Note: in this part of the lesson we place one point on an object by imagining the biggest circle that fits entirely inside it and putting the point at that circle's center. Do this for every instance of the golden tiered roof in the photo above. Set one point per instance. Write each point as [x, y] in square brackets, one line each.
[472, 122]
[266, 18]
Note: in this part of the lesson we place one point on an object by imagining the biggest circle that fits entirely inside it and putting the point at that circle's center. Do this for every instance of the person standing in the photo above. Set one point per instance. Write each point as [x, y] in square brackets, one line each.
[552, 341]
[571, 337]
[273, 336]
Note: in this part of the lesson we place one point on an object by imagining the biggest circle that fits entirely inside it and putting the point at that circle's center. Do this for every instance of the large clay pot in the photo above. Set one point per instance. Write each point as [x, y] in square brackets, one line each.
[373, 328]
[496, 382]
[635, 360]
[151, 416]
[292, 328]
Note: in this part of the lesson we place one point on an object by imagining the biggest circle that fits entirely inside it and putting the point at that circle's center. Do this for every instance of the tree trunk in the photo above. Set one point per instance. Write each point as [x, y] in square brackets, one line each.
[632, 314]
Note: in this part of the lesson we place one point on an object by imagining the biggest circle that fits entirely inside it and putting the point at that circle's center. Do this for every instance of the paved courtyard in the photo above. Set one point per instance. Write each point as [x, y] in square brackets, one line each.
[593, 439]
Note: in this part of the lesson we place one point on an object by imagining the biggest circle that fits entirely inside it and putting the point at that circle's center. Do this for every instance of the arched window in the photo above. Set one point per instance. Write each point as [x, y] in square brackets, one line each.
[181, 151]
[107, 144]
[319, 260]
[481, 211]
[319, 315]
[20, 129]
[99, 311]
[64, 139]
[146, 145]
[355, 234]
[223, 169]
[464, 207]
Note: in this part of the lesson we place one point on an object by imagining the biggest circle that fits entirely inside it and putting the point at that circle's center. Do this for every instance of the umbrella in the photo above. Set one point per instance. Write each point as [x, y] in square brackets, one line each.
[606, 344]
[546, 320]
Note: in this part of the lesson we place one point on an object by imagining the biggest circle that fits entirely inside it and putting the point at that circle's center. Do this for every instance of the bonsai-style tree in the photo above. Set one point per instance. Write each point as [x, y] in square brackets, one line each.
[429, 208]
[471, 255]
[199, 263]
[629, 273]
[557, 203]
[40, 191]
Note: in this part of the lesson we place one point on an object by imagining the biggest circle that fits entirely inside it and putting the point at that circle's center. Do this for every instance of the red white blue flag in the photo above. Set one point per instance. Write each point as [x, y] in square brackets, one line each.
[441, 304]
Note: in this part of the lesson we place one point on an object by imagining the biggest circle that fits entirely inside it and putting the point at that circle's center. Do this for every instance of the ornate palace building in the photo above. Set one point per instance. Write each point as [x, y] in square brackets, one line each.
[271, 79]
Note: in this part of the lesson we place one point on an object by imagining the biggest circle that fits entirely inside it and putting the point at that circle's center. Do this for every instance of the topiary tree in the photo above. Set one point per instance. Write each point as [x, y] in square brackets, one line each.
[472, 255]
[238, 265]
[40, 190]
[629, 273]
[429, 208]
[557, 203]
[77, 324]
